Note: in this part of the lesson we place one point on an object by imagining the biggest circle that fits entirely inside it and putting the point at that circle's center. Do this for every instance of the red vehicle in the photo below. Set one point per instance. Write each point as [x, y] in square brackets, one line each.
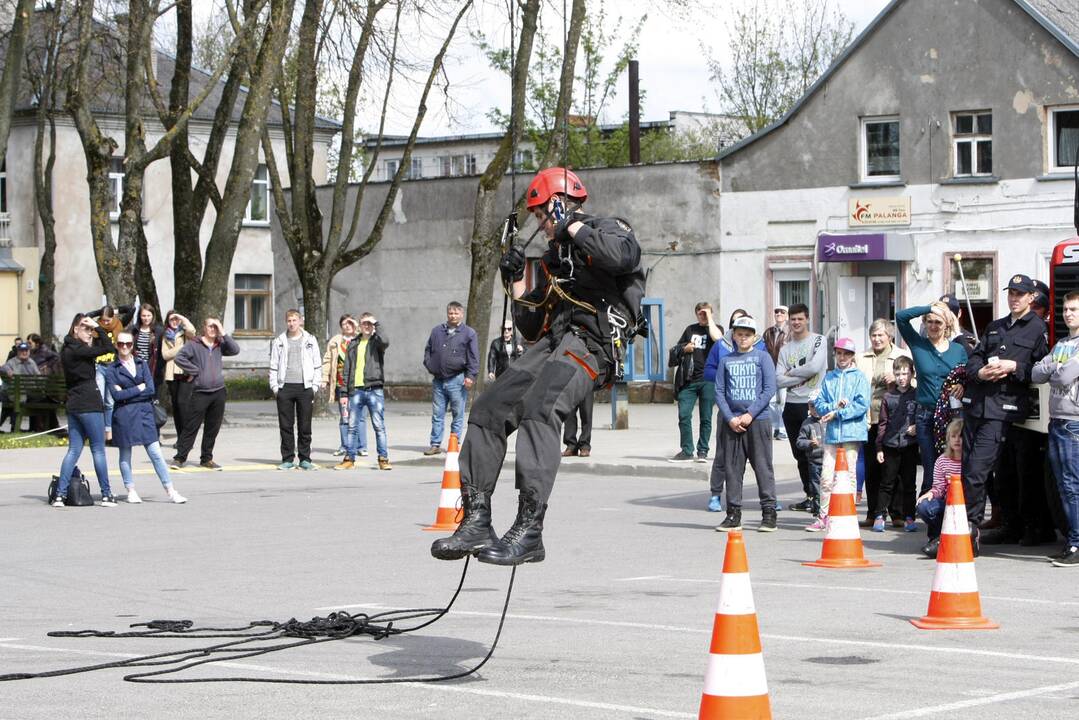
[1063, 279]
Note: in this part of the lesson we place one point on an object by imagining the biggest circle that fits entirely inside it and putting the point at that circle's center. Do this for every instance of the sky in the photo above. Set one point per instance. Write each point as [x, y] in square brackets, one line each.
[672, 55]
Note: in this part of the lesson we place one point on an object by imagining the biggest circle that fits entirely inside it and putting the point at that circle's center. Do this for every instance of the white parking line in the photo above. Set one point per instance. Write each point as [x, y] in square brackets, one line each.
[543, 699]
[852, 588]
[976, 702]
[768, 636]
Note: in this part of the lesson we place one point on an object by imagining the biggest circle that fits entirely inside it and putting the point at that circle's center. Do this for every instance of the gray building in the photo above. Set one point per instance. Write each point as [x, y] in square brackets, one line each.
[944, 128]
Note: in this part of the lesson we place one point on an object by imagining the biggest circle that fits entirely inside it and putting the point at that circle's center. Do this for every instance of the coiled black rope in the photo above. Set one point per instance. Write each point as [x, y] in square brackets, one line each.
[242, 645]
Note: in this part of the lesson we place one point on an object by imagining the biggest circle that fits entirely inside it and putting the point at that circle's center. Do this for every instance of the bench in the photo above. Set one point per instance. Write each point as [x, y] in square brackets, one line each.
[32, 394]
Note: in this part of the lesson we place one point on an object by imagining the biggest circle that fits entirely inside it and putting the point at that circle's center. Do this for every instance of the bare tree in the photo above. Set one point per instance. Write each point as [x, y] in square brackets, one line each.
[776, 56]
[319, 253]
[9, 81]
[485, 238]
[123, 264]
[485, 243]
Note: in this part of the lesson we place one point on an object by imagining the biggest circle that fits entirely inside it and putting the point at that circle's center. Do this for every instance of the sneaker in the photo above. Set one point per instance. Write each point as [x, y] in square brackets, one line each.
[287, 465]
[1055, 556]
[681, 457]
[345, 464]
[733, 521]
[338, 452]
[433, 450]
[818, 524]
[931, 547]
[108, 501]
[384, 464]
[133, 497]
[362, 453]
[802, 506]
[781, 435]
[878, 524]
[768, 520]
[177, 464]
[701, 458]
[58, 502]
[308, 465]
[177, 497]
[715, 504]
[209, 465]
[910, 526]
[1070, 559]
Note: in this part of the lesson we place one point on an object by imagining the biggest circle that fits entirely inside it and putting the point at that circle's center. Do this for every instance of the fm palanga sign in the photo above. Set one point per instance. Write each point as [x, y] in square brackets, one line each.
[878, 211]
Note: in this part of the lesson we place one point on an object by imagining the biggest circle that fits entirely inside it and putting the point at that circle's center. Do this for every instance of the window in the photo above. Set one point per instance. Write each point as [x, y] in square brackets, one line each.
[252, 301]
[389, 168]
[972, 135]
[444, 166]
[463, 165]
[3, 187]
[880, 149]
[415, 171]
[523, 161]
[1063, 138]
[258, 207]
[116, 186]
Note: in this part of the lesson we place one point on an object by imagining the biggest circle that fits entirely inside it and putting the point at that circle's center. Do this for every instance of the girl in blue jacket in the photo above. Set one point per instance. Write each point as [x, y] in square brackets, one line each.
[842, 403]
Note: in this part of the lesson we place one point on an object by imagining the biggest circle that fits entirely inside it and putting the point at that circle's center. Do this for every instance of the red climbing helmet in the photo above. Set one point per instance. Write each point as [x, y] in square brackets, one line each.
[553, 181]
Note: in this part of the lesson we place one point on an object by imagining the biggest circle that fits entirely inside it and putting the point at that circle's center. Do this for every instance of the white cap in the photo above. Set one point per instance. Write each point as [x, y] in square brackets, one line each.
[745, 322]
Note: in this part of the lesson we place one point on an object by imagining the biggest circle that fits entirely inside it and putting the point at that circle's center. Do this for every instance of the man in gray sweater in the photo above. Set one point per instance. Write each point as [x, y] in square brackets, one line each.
[799, 369]
[200, 360]
[1060, 368]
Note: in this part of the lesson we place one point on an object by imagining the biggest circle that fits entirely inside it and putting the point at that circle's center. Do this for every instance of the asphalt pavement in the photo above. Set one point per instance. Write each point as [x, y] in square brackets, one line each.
[614, 624]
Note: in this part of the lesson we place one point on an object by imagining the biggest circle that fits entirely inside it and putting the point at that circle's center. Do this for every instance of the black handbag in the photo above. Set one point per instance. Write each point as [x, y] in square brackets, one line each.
[78, 490]
[161, 416]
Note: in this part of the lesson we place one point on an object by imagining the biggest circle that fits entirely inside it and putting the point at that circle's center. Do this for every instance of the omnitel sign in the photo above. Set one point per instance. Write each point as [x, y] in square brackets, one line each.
[878, 211]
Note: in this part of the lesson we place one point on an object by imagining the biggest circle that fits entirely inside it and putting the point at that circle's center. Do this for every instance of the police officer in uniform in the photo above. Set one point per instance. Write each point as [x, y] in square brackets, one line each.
[997, 390]
[580, 316]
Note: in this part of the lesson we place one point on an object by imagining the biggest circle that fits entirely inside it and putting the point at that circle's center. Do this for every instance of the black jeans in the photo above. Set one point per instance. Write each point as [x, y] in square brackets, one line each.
[873, 473]
[1020, 486]
[983, 440]
[295, 404]
[794, 414]
[179, 397]
[755, 446]
[899, 473]
[569, 429]
[208, 408]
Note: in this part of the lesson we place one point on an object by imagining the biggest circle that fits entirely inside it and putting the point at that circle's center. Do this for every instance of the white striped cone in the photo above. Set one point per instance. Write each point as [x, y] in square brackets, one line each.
[735, 685]
[842, 546]
[954, 603]
[449, 513]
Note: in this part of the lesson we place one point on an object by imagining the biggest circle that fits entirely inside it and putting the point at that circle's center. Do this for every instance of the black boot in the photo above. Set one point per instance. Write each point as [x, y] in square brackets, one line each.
[473, 534]
[768, 520]
[523, 542]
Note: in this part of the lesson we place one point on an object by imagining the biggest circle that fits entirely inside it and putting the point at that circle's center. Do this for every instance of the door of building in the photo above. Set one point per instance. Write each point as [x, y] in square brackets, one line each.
[852, 309]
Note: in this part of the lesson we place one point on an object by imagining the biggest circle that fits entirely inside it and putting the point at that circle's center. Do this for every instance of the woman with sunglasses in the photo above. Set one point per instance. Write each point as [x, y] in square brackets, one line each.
[934, 357]
[132, 386]
[85, 407]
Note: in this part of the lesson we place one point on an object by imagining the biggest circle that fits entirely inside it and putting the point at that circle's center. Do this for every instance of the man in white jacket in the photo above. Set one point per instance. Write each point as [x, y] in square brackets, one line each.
[295, 377]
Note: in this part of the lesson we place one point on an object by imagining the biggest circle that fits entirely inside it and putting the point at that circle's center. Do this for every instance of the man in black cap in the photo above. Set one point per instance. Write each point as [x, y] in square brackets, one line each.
[967, 340]
[997, 390]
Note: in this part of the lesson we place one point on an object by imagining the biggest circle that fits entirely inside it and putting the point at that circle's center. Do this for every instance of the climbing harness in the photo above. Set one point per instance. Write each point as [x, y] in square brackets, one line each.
[250, 641]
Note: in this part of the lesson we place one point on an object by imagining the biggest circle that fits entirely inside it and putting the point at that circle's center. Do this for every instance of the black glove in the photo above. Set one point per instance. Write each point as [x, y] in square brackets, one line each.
[561, 231]
[512, 265]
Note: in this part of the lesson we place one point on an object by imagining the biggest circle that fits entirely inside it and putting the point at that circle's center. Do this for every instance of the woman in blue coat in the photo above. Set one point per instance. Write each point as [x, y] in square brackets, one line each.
[132, 386]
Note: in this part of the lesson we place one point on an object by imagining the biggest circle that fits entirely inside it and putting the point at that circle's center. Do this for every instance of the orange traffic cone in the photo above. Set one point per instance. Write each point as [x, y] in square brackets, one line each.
[450, 512]
[734, 683]
[954, 603]
[842, 540]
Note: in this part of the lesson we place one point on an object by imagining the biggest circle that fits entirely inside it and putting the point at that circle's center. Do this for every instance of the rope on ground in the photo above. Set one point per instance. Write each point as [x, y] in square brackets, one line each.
[335, 626]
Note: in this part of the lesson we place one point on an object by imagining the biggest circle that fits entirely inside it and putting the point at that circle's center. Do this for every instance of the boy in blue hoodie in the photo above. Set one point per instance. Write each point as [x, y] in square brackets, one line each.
[843, 402]
[745, 384]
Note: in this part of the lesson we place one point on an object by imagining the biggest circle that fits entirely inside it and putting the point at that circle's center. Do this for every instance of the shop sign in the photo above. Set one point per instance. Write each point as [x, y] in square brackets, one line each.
[974, 290]
[851, 248]
[878, 211]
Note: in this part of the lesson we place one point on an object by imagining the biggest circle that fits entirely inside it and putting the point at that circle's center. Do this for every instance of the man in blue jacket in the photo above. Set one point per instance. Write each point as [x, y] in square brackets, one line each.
[452, 357]
[745, 384]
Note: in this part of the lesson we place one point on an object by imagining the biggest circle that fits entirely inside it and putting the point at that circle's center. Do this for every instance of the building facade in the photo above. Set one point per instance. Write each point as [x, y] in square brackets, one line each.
[77, 289]
[945, 129]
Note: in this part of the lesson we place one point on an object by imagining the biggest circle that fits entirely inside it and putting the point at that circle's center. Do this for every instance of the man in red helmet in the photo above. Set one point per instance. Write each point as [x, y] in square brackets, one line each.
[580, 317]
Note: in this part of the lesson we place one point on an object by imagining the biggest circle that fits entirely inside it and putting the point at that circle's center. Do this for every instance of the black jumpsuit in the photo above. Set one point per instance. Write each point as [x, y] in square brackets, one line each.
[572, 356]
